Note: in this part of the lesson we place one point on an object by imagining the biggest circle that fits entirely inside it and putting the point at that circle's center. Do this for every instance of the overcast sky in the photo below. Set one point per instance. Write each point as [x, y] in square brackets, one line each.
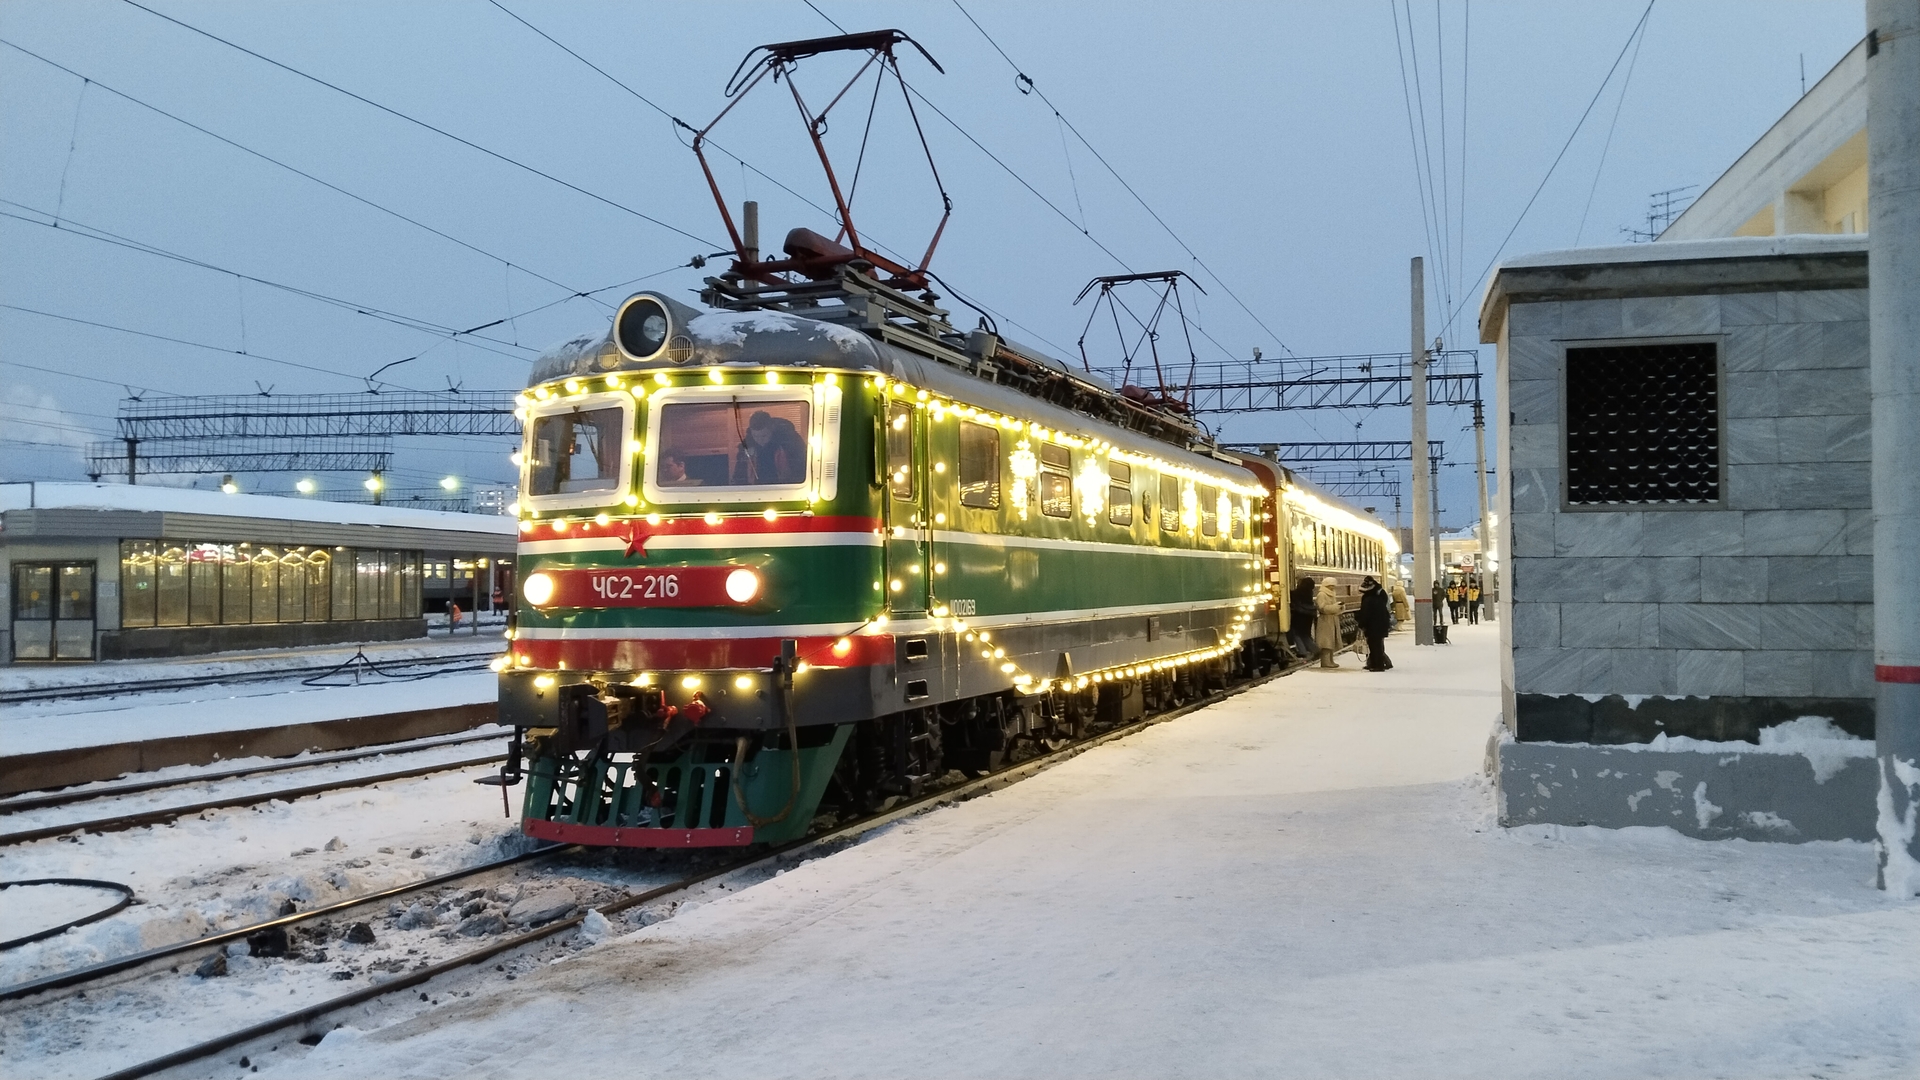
[1272, 139]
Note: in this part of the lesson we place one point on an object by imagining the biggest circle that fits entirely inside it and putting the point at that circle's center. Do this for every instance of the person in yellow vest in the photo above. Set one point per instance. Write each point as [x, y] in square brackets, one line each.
[1453, 599]
[1473, 600]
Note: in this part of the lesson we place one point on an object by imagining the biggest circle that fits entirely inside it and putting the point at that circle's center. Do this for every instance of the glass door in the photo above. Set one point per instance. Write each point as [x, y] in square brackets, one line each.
[53, 611]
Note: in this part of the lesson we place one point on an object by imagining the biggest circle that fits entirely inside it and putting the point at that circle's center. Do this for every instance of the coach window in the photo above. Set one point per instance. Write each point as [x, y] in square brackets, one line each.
[1119, 492]
[979, 465]
[1056, 485]
[1240, 511]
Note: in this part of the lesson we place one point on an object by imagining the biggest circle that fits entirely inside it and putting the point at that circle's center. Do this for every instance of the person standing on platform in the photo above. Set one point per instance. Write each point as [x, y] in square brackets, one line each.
[1473, 600]
[1301, 605]
[1401, 614]
[1375, 618]
[1326, 626]
[1453, 600]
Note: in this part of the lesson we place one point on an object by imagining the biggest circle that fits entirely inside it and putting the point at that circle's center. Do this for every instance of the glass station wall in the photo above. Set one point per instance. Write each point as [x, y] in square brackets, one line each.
[187, 583]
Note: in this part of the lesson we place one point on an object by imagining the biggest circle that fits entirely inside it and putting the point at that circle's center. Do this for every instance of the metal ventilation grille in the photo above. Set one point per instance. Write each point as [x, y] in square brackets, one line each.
[1643, 424]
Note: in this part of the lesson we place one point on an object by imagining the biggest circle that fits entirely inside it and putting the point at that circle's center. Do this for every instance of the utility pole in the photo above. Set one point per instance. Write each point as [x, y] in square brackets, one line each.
[1893, 319]
[1480, 486]
[133, 461]
[1417, 392]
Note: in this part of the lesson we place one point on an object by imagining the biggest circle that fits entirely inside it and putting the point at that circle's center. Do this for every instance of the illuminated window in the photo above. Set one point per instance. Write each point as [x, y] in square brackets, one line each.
[979, 465]
[900, 479]
[1056, 483]
[1169, 503]
[1209, 512]
[731, 443]
[1119, 492]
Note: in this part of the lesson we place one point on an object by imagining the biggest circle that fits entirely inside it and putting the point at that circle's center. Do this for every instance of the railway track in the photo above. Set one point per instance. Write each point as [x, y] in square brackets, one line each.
[798, 849]
[397, 670]
[134, 820]
[88, 794]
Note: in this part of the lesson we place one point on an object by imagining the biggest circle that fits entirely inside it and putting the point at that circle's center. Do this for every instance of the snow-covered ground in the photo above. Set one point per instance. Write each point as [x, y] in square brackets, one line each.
[227, 868]
[1303, 881]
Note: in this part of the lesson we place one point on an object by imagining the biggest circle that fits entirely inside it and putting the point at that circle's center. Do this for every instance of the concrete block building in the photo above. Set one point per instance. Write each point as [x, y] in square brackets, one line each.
[1688, 590]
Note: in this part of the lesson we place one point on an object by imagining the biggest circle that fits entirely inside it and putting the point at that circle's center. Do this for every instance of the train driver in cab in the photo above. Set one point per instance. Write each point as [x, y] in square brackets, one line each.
[771, 453]
[673, 471]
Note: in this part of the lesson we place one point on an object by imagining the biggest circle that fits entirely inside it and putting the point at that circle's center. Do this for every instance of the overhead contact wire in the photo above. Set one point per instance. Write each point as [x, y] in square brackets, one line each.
[469, 143]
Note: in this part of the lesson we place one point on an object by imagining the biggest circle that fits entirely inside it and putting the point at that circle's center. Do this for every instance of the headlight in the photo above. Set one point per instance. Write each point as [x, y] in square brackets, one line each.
[538, 588]
[641, 327]
[742, 586]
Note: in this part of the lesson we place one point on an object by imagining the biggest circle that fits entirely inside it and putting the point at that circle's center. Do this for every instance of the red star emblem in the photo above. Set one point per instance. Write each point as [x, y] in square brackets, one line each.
[636, 541]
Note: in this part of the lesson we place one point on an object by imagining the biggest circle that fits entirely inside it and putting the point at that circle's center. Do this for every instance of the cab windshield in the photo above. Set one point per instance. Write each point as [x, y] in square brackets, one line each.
[575, 452]
[732, 444]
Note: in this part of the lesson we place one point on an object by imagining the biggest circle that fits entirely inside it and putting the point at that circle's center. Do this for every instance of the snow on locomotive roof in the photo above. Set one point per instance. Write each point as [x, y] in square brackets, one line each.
[45, 495]
[785, 340]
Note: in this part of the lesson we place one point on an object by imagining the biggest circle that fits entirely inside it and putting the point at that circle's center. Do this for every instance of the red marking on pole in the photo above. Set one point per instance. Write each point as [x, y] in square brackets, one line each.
[1896, 673]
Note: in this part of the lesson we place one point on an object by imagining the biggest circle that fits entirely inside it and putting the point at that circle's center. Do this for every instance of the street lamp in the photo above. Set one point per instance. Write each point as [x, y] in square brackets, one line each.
[305, 486]
[227, 485]
[449, 483]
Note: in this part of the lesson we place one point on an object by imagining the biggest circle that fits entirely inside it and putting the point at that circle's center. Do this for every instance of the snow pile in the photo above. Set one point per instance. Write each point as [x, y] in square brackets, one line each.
[1898, 869]
[1825, 746]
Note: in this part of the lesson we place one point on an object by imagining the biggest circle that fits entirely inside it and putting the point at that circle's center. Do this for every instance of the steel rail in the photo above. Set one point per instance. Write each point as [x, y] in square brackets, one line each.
[155, 817]
[95, 972]
[63, 798]
[992, 781]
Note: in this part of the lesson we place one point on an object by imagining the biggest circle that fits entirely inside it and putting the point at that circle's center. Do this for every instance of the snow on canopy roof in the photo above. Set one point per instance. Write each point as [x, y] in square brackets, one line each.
[40, 495]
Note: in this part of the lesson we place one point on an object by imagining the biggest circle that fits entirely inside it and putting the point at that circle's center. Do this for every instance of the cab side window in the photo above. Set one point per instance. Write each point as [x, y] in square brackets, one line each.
[1056, 485]
[900, 471]
[979, 465]
[1119, 492]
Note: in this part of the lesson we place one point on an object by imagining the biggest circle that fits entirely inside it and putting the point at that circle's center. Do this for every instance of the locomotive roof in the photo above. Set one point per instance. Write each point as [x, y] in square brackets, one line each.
[766, 338]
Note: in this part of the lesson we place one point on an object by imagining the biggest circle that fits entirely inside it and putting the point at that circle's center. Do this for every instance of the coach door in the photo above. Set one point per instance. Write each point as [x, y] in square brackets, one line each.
[906, 495]
[52, 611]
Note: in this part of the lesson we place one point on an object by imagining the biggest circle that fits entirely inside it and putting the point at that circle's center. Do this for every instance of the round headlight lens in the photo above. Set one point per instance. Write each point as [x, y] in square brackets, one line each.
[537, 589]
[742, 586]
[641, 328]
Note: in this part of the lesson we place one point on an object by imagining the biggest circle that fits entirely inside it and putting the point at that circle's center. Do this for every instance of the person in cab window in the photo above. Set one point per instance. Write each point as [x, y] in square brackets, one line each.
[673, 471]
[772, 452]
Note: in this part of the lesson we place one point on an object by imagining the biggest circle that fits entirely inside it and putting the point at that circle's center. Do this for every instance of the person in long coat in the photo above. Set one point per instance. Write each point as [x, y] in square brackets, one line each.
[1326, 625]
[1374, 623]
[1401, 613]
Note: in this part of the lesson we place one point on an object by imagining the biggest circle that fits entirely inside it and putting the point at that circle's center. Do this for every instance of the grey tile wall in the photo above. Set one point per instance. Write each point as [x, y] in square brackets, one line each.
[1770, 596]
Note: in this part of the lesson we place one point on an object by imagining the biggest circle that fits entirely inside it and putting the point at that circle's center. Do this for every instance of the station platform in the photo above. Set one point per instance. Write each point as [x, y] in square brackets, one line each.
[254, 704]
[1305, 880]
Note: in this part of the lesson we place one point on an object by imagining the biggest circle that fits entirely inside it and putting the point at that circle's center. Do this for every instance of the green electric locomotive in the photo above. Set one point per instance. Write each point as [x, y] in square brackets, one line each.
[763, 552]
